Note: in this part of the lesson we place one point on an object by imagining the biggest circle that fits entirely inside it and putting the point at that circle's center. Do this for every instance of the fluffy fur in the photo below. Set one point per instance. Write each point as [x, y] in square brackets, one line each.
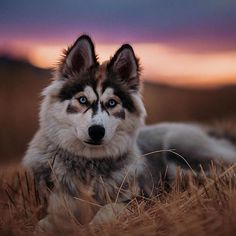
[91, 139]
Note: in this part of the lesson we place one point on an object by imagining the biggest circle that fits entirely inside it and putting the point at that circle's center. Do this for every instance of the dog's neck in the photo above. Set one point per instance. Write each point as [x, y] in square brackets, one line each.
[71, 170]
[95, 166]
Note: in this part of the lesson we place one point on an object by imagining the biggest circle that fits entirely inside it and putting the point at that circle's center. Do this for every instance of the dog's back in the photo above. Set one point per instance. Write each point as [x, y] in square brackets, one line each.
[172, 145]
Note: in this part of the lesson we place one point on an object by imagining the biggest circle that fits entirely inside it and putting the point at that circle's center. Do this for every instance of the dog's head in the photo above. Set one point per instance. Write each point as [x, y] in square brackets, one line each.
[90, 109]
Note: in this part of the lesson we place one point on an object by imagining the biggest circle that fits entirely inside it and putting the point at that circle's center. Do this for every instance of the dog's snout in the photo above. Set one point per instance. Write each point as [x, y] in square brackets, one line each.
[96, 132]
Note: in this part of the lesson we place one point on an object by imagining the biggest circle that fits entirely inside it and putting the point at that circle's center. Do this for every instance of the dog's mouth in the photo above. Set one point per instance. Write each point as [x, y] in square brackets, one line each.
[94, 143]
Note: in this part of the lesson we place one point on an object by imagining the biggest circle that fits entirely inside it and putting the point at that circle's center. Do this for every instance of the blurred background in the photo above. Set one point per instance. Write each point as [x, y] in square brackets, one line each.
[187, 50]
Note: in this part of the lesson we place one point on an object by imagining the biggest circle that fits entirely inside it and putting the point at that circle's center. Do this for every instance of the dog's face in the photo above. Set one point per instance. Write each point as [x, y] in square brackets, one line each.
[94, 110]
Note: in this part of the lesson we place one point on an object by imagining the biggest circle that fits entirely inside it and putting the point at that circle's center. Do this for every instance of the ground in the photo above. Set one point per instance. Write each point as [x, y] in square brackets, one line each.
[206, 208]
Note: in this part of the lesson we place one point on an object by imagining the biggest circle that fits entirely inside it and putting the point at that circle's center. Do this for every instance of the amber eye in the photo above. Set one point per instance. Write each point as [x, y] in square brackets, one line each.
[111, 103]
[82, 100]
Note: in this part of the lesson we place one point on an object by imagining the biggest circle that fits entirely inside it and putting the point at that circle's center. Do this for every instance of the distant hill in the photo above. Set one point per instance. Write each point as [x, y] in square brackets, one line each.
[167, 103]
[7, 63]
[21, 84]
[20, 87]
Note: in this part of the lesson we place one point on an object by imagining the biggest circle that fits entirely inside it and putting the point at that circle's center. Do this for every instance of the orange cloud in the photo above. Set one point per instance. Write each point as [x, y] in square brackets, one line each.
[160, 62]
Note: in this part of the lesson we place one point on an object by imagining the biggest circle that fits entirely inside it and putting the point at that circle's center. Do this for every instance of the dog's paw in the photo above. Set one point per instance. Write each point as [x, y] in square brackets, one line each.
[109, 213]
[43, 226]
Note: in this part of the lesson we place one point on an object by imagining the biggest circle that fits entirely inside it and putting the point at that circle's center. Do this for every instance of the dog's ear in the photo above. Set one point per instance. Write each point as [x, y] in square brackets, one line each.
[79, 57]
[125, 66]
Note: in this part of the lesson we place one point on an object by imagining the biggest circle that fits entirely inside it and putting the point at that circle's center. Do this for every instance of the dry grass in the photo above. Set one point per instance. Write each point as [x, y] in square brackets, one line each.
[206, 208]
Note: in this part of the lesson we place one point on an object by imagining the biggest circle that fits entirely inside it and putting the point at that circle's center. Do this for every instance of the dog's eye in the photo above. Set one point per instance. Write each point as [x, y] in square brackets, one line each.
[82, 100]
[111, 103]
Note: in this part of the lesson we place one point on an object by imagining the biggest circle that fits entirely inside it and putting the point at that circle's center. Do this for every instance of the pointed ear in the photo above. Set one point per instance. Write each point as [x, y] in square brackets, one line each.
[80, 56]
[125, 66]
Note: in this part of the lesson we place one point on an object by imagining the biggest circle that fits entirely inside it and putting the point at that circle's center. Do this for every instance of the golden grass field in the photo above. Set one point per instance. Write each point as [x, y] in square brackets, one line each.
[205, 208]
[198, 208]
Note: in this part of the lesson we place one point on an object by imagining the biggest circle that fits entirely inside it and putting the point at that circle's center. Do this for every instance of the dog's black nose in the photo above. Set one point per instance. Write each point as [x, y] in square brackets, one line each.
[96, 132]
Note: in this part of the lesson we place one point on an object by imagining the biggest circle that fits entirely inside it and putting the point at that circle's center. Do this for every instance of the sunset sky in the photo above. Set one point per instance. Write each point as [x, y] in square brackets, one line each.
[185, 42]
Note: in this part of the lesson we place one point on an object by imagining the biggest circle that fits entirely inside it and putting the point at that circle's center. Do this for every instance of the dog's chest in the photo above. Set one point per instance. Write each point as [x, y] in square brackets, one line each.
[102, 179]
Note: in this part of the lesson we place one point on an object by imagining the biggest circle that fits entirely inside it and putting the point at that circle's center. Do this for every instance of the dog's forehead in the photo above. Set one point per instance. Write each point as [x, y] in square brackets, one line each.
[98, 93]
[90, 93]
[107, 92]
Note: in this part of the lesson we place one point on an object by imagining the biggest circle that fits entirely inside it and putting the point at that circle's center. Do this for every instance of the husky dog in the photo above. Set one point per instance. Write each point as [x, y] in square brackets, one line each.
[91, 141]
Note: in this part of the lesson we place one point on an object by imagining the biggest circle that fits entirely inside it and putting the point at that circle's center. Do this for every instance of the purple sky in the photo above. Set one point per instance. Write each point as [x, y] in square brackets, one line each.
[193, 41]
[203, 23]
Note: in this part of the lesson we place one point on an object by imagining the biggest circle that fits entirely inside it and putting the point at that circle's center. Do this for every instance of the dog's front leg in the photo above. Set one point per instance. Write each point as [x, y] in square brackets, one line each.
[66, 212]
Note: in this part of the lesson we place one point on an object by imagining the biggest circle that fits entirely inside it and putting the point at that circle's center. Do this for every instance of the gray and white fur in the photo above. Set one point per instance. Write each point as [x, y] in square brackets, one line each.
[91, 141]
